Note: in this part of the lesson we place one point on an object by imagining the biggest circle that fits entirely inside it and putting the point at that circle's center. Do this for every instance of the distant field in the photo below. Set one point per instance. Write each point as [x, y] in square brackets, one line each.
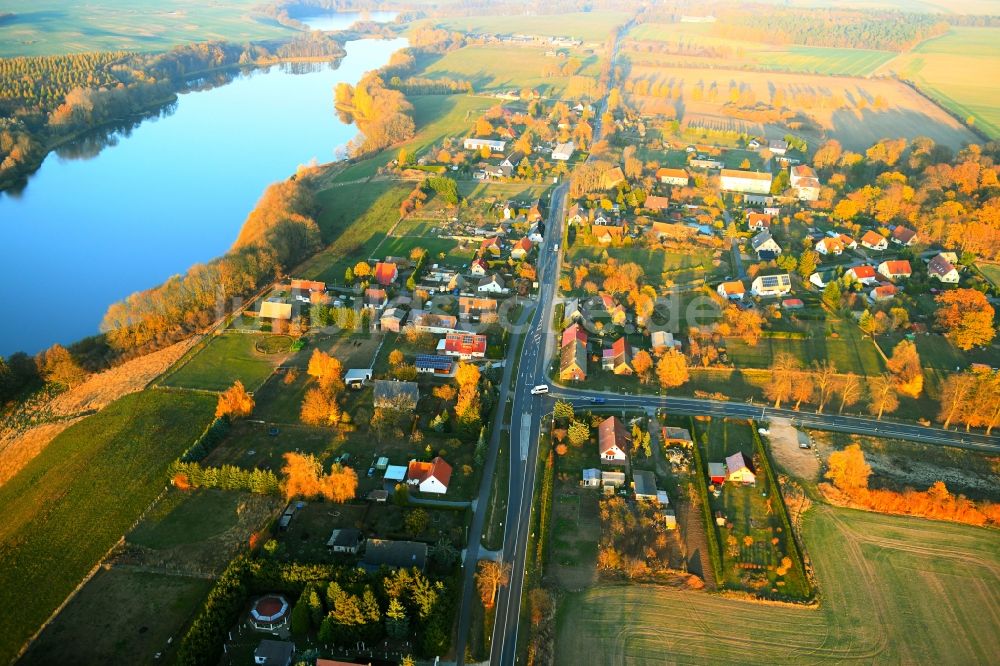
[991, 271]
[880, 578]
[45, 27]
[589, 27]
[908, 114]
[221, 362]
[791, 58]
[498, 67]
[961, 70]
[121, 616]
[70, 504]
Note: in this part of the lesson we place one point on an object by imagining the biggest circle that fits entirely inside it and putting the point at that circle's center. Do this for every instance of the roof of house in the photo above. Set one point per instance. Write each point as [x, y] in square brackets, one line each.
[736, 462]
[897, 267]
[274, 652]
[481, 264]
[884, 291]
[667, 172]
[465, 343]
[523, 244]
[386, 389]
[379, 552]
[468, 303]
[761, 238]
[394, 313]
[872, 238]
[803, 171]
[574, 332]
[375, 294]
[716, 469]
[765, 219]
[672, 433]
[903, 235]
[344, 536]
[831, 244]
[656, 203]
[645, 483]
[276, 310]
[622, 350]
[939, 265]
[776, 280]
[862, 272]
[574, 353]
[750, 175]
[385, 272]
[311, 285]
[490, 242]
[433, 362]
[611, 434]
[514, 158]
[490, 279]
[733, 288]
[437, 468]
[612, 177]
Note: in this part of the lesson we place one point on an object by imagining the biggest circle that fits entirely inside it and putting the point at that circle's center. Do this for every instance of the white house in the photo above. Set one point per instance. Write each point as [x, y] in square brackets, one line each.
[864, 274]
[771, 285]
[478, 144]
[874, 241]
[491, 285]
[429, 477]
[897, 269]
[669, 176]
[754, 182]
[882, 293]
[777, 146]
[805, 182]
[563, 151]
[612, 441]
[764, 245]
[733, 290]
[942, 270]
[829, 246]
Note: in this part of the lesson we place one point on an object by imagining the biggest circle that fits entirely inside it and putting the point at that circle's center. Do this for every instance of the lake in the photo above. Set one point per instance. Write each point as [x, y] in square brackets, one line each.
[334, 21]
[113, 214]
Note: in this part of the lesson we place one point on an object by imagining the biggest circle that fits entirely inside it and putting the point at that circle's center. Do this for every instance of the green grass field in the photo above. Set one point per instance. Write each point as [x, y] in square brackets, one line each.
[45, 27]
[221, 362]
[70, 504]
[121, 616]
[785, 58]
[595, 26]
[893, 590]
[991, 272]
[494, 67]
[694, 263]
[959, 70]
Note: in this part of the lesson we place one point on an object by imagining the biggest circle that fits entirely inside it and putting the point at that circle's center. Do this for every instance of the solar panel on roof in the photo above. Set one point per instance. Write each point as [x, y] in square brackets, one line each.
[433, 361]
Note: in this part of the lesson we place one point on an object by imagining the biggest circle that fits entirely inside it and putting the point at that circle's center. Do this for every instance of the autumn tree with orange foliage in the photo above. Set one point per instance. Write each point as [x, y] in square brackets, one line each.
[672, 369]
[328, 370]
[966, 317]
[490, 577]
[642, 363]
[303, 477]
[320, 408]
[905, 368]
[234, 402]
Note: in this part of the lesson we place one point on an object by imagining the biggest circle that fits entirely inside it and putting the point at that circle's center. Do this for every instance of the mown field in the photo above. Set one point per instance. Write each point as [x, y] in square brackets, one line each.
[225, 359]
[991, 272]
[787, 58]
[45, 27]
[893, 590]
[959, 70]
[588, 26]
[70, 504]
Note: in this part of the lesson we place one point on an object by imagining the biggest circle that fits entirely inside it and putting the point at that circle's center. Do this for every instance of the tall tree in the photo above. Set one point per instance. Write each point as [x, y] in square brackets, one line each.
[825, 380]
[849, 388]
[905, 368]
[642, 363]
[784, 371]
[672, 369]
[848, 469]
[882, 389]
[234, 402]
[490, 577]
[966, 317]
[955, 394]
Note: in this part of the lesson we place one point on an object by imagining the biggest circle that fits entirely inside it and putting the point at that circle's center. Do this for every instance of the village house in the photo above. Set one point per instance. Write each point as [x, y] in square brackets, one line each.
[618, 358]
[896, 269]
[344, 540]
[733, 290]
[572, 311]
[874, 241]
[765, 246]
[612, 441]
[656, 203]
[479, 267]
[563, 151]
[511, 162]
[490, 247]
[429, 477]
[390, 394]
[430, 322]
[394, 554]
[663, 341]
[273, 653]
[903, 236]
[644, 484]
[576, 214]
[845, 240]
[606, 303]
[738, 471]
[882, 293]
[275, 309]
[311, 286]
[607, 233]
[759, 221]
[668, 176]
[736, 180]
[521, 249]
[573, 361]
[805, 182]
[493, 284]
[385, 273]
[771, 285]
[494, 145]
[612, 177]
[463, 345]
[829, 246]
[472, 307]
[434, 364]
[866, 275]
[573, 332]
[777, 146]
[376, 298]
[392, 319]
[535, 212]
[673, 231]
[941, 269]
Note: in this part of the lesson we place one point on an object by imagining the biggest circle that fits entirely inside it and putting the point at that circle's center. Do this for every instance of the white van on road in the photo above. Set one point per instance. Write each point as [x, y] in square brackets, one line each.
[540, 389]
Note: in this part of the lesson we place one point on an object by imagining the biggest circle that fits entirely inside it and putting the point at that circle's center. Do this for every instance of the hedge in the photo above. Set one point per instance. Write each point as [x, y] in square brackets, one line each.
[214, 433]
[711, 532]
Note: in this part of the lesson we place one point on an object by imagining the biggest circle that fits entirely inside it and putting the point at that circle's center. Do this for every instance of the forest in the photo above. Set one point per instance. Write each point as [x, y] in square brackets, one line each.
[47, 99]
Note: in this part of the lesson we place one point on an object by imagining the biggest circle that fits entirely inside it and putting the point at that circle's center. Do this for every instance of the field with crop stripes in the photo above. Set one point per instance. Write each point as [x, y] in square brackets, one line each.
[892, 590]
[70, 504]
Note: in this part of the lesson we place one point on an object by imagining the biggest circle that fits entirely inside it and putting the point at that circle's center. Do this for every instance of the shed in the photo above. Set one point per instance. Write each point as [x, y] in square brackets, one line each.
[344, 540]
[356, 377]
[273, 653]
[591, 478]
[382, 462]
[395, 473]
[717, 472]
[645, 484]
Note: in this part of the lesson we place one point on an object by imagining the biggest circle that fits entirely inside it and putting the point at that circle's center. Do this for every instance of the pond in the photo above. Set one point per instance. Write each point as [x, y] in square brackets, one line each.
[121, 211]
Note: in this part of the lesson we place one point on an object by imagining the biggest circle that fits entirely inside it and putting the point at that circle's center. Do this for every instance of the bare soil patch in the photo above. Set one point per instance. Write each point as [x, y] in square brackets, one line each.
[800, 463]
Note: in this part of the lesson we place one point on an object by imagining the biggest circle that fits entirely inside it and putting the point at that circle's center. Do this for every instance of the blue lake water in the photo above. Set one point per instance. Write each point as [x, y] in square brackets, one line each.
[333, 21]
[110, 215]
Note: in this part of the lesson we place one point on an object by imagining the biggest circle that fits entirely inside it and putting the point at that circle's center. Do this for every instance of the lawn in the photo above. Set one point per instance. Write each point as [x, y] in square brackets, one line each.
[436, 117]
[880, 577]
[586, 26]
[953, 69]
[70, 504]
[680, 267]
[121, 616]
[226, 358]
[991, 272]
[252, 445]
[45, 27]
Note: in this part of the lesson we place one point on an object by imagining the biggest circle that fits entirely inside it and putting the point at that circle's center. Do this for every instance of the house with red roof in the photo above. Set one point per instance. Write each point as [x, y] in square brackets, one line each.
[464, 345]
[759, 221]
[863, 274]
[904, 236]
[386, 273]
[656, 203]
[612, 441]
[874, 241]
[895, 269]
[882, 293]
[429, 477]
[573, 332]
[618, 358]
[670, 176]
[490, 246]
[521, 249]
[942, 270]
[479, 267]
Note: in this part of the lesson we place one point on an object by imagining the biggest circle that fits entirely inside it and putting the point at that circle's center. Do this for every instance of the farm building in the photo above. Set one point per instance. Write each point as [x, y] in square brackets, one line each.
[275, 309]
[874, 241]
[717, 473]
[612, 480]
[771, 285]
[644, 484]
[669, 176]
[395, 473]
[735, 180]
[433, 364]
[738, 471]
[563, 151]
[478, 144]
[704, 163]
[344, 540]
[394, 554]
[430, 322]
[471, 307]
[429, 477]
[612, 441]
[396, 395]
[662, 341]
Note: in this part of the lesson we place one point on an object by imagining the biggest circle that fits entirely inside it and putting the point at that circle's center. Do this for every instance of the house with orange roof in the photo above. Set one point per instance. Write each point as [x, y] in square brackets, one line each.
[490, 246]
[656, 203]
[429, 477]
[874, 241]
[863, 274]
[612, 441]
[895, 269]
[386, 273]
[521, 249]
[734, 290]
[668, 176]
[759, 221]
